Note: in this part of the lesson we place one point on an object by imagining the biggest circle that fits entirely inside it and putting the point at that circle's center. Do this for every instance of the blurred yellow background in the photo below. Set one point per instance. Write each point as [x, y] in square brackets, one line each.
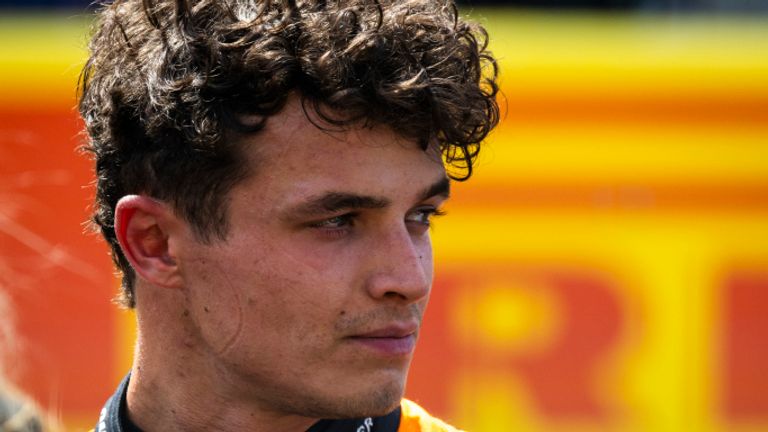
[605, 269]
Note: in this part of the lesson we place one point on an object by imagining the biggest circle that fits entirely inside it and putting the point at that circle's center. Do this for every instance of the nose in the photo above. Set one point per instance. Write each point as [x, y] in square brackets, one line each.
[401, 266]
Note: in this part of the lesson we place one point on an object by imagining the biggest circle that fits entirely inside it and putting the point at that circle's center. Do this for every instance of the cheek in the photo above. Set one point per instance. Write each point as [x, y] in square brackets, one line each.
[328, 263]
[424, 248]
[215, 302]
[262, 299]
[302, 258]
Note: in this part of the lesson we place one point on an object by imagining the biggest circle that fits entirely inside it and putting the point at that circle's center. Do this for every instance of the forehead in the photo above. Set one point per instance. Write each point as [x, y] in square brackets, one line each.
[292, 155]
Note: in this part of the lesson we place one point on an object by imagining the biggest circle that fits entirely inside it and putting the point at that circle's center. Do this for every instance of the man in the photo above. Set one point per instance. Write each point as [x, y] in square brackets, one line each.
[267, 173]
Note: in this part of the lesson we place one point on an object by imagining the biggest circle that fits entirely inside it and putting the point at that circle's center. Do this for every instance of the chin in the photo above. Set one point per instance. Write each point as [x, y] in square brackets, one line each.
[362, 402]
[376, 402]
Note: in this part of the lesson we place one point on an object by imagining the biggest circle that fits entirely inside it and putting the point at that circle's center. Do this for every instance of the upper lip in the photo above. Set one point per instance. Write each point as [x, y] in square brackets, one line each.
[392, 330]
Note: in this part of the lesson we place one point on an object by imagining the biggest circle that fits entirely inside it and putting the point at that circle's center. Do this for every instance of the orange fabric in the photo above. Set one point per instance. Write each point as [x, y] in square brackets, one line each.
[415, 419]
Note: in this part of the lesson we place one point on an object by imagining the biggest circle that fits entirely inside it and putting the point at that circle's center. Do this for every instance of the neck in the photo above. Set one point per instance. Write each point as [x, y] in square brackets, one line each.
[174, 386]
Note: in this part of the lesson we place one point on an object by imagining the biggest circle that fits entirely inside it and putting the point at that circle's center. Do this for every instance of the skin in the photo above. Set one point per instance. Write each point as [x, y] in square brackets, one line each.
[309, 308]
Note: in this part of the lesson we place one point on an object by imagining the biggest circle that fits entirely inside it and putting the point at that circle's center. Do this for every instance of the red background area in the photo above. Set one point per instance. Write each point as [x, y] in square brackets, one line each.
[58, 279]
[561, 378]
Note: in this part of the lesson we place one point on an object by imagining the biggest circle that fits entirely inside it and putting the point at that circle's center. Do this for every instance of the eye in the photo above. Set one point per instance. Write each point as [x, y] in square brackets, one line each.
[423, 215]
[334, 222]
[335, 227]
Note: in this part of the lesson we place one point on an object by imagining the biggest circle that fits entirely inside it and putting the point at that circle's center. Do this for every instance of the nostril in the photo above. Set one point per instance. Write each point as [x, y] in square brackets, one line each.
[395, 294]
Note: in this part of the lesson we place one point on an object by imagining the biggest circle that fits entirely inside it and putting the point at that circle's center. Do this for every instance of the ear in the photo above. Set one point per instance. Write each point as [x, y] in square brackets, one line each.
[141, 226]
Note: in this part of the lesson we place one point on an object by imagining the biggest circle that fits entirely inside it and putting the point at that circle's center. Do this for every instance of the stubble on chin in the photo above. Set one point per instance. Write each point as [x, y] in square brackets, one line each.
[369, 403]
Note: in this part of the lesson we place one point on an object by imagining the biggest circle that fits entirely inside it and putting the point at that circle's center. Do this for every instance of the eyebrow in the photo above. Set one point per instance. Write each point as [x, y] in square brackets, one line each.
[332, 202]
[441, 188]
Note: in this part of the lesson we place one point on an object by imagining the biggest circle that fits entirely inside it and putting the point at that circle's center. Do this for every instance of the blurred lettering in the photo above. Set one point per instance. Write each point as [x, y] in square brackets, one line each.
[746, 346]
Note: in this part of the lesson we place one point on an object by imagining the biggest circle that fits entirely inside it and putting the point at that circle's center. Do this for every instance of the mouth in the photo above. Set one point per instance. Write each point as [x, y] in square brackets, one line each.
[395, 340]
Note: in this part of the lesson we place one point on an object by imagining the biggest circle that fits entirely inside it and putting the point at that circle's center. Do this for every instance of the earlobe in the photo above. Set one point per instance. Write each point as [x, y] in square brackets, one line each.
[141, 226]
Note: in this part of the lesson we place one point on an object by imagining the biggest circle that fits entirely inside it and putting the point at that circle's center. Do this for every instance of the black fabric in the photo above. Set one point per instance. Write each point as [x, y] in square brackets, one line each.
[387, 423]
[113, 413]
[114, 418]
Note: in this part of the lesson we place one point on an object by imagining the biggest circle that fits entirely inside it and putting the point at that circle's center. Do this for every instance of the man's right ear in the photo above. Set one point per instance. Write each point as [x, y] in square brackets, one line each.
[142, 228]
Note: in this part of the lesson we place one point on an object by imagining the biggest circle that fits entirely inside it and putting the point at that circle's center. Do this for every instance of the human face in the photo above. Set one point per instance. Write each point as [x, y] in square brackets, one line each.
[313, 303]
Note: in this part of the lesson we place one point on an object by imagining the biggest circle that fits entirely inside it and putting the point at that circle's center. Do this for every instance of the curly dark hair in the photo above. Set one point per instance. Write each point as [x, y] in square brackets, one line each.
[169, 83]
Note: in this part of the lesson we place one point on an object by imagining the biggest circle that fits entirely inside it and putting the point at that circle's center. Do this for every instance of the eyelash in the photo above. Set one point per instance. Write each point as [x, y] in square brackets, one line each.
[429, 213]
[342, 220]
[338, 226]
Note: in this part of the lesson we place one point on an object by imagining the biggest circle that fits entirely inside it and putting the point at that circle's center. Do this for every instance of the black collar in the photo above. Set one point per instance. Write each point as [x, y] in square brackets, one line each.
[114, 418]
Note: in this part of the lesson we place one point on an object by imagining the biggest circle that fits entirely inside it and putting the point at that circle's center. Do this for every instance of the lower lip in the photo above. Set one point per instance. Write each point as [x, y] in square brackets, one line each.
[391, 346]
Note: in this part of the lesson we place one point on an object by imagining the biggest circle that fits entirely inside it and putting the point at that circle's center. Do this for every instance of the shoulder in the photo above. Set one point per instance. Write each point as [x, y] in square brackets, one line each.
[416, 419]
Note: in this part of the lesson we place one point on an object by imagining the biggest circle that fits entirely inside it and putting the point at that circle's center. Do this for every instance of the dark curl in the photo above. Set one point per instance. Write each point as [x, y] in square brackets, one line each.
[169, 83]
